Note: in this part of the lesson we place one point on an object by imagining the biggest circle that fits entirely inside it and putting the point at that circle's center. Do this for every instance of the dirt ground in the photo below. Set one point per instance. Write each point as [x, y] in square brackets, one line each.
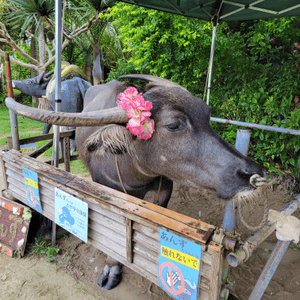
[74, 273]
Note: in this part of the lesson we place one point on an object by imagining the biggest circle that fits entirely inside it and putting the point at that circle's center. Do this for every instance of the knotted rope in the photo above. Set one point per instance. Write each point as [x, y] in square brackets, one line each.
[261, 185]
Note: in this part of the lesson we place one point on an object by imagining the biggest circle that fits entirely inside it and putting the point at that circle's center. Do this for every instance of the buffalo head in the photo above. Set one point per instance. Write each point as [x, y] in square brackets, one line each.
[33, 86]
[184, 148]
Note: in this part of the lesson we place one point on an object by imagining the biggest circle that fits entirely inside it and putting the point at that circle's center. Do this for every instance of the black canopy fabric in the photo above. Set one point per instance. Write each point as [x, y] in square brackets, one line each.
[235, 10]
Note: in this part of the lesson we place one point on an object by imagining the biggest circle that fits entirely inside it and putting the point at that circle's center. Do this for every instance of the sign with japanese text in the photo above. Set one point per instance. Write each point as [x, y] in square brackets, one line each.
[14, 225]
[28, 148]
[32, 190]
[71, 214]
[179, 266]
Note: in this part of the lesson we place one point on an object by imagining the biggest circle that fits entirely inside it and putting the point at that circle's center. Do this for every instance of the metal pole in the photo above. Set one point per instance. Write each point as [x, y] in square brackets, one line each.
[12, 115]
[58, 42]
[256, 126]
[269, 270]
[211, 60]
[57, 78]
[229, 220]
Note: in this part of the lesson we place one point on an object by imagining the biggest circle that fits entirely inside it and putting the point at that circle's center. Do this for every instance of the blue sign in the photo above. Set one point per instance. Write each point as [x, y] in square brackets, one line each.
[28, 148]
[32, 190]
[71, 214]
[179, 266]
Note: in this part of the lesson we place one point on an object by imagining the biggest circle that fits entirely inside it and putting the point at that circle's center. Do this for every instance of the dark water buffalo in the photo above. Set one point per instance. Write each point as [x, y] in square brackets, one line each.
[183, 148]
[72, 94]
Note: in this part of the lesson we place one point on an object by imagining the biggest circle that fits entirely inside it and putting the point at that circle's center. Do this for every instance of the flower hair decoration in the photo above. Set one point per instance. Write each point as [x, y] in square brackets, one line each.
[139, 113]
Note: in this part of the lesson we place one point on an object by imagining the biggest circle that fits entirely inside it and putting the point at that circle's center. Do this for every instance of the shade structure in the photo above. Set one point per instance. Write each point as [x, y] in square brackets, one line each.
[235, 10]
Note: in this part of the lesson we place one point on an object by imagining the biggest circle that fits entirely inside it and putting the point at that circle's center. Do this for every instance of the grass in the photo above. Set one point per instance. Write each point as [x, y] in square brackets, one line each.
[26, 126]
[29, 128]
[43, 248]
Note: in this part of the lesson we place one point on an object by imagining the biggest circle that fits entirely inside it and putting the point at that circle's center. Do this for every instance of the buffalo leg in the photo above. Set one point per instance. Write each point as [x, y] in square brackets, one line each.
[47, 128]
[111, 275]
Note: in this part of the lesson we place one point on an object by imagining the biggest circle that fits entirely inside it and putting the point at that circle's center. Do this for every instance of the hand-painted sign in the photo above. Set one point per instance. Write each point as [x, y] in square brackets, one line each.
[179, 266]
[14, 225]
[28, 148]
[71, 214]
[32, 190]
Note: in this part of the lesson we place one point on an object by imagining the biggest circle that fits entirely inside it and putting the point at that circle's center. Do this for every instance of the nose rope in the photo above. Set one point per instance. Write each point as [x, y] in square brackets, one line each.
[259, 183]
[123, 186]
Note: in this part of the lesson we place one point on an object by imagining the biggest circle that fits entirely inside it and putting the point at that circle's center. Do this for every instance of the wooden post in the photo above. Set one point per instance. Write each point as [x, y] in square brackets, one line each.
[129, 254]
[66, 153]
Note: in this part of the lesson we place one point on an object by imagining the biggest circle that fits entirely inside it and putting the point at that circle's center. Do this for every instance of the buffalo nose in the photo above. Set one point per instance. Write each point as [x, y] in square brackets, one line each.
[247, 173]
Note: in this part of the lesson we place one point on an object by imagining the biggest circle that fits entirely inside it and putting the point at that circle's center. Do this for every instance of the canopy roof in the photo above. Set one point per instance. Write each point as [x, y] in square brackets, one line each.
[234, 10]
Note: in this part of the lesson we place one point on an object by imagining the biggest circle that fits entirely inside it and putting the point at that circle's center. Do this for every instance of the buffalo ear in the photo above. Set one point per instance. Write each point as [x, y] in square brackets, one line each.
[115, 139]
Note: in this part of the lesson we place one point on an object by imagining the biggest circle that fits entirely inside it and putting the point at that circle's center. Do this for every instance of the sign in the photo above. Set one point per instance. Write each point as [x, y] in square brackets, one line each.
[28, 148]
[71, 214]
[32, 190]
[179, 266]
[14, 226]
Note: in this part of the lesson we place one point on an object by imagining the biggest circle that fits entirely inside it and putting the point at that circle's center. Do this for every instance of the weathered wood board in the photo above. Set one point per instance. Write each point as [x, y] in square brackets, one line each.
[14, 225]
[122, 226]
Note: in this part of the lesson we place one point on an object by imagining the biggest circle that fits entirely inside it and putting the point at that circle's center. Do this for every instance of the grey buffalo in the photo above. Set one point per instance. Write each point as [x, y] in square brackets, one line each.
[72, 94]
[183, 148]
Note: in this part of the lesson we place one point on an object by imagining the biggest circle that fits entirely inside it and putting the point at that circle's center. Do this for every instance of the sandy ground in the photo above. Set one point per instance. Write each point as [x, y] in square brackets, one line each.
[74, 274]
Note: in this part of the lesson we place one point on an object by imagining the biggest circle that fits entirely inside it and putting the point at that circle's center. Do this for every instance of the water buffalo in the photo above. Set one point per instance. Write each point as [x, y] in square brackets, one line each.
[72, 94]
[183, 148]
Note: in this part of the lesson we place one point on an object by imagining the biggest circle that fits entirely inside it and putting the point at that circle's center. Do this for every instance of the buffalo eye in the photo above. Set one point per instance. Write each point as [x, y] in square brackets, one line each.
[178, 125]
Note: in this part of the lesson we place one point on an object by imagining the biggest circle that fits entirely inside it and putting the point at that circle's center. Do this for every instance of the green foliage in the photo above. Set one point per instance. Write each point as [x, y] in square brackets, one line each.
[43, 248]
[255, 74]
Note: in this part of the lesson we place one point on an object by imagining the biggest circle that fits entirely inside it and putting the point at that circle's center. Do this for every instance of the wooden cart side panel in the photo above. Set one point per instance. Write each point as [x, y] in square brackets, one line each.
[105, 193]
[122, 226]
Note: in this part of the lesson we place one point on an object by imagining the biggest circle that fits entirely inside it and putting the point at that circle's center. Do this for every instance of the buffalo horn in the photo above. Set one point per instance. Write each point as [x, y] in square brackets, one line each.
[48, 74]
[153, 79]
[41, 75]
[94, 118]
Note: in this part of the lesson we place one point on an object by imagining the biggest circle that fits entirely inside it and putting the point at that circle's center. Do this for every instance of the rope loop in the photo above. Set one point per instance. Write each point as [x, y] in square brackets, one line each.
[260, 183]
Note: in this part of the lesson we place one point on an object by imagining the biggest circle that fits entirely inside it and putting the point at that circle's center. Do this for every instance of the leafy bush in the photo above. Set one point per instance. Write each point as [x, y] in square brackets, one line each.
[255, 75]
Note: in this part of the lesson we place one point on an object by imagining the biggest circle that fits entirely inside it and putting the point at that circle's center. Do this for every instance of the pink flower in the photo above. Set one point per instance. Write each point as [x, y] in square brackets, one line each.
[138, 111]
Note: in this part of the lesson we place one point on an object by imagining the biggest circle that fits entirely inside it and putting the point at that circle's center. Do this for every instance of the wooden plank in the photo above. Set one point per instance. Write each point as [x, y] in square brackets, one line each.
[49, 136]
[129, 251]
[108, 233]
[66, 153]
[150, 232]
[142, 250]
[216, 275]
[41, 150]
[103, 220]
[151, 244]
[107, 242]
[4, 172]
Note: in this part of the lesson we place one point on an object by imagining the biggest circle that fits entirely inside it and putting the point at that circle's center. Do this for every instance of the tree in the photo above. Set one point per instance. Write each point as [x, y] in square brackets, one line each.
[38, 15]
[255, 75]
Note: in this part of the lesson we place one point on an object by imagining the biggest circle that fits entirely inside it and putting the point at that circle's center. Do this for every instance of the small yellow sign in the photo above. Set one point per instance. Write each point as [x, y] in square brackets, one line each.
[180, 257]
[31, 182]
[28, 150]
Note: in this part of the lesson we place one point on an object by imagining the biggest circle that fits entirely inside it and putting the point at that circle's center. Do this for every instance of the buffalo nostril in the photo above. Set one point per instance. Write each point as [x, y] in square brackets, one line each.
[244, 174]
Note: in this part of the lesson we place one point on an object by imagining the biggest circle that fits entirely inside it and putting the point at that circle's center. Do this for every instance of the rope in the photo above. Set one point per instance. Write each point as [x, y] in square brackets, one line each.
[258, 182]
[119, 174]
